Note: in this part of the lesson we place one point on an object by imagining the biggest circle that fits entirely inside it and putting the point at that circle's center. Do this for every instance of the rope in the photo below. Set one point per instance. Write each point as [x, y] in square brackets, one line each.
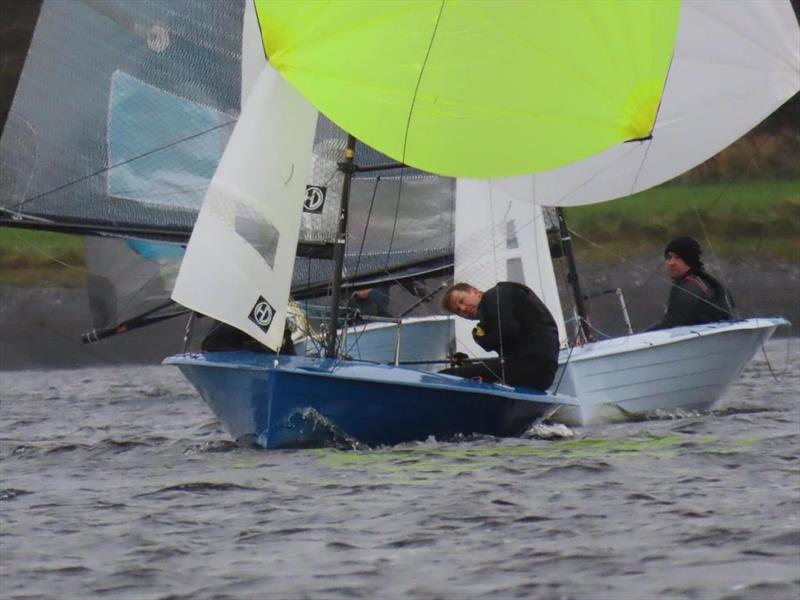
[777, 378]
[366, 226]
[419, 79]
[50, 257]
[494, 268]
[566, 363]
[119, 164]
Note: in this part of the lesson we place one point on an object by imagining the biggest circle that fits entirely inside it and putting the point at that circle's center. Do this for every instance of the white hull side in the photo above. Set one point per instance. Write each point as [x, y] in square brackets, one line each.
[686, 368]
[681, 369]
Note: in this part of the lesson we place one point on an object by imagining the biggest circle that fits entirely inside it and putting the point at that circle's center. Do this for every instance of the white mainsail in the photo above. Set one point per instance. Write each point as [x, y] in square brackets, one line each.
[239, 261]
[500, 238]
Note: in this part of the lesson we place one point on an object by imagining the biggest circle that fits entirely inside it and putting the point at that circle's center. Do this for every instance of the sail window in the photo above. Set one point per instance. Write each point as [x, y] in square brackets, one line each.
[511, 235]
[514, 270]
[260, 234]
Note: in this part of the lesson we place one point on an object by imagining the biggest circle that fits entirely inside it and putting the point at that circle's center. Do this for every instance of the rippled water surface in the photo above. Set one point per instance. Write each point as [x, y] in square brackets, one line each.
[118, 483]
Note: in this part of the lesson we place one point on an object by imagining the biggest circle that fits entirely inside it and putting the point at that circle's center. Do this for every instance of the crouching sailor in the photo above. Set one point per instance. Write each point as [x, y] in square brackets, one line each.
[695, 297]
[513, 322]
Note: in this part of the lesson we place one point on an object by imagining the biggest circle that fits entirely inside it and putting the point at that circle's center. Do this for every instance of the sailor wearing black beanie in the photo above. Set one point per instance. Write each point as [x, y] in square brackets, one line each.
[695, 297]
[687, 249]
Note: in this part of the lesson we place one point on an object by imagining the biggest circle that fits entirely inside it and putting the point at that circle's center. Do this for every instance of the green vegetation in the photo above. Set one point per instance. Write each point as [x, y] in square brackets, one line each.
[755, 218]
[40, 257]
[745, 201]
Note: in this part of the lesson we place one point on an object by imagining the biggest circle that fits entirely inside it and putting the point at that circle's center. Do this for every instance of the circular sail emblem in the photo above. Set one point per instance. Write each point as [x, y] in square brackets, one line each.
[315, 198]
[262, 313]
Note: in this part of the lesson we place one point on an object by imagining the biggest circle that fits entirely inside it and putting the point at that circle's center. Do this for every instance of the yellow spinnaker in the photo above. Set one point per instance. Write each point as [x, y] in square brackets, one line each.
[475, 88]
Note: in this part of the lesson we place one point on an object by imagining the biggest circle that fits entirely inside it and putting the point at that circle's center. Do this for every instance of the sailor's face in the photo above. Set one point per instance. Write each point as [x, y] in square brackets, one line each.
[676, 266]
[465, 304]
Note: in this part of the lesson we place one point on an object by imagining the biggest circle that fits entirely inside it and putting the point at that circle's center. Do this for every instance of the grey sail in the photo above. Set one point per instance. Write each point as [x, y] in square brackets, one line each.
[120, 117]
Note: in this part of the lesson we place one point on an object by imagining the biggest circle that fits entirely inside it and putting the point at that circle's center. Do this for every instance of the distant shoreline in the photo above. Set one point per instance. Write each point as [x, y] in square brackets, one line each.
[40, 327]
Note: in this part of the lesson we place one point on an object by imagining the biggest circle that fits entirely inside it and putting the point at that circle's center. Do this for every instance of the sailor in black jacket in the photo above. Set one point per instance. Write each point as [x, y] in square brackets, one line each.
[513, 322]
[695, 297]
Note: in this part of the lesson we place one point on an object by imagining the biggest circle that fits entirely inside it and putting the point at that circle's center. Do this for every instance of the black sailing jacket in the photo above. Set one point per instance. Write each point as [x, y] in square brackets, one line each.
[523, 324]
[696, 298]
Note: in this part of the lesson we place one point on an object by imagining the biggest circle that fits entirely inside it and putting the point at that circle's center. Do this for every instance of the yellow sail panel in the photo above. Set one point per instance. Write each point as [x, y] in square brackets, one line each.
[478, 88]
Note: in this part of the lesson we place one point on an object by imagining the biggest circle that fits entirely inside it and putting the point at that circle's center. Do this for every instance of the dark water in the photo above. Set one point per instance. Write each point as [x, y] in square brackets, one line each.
[117, 483]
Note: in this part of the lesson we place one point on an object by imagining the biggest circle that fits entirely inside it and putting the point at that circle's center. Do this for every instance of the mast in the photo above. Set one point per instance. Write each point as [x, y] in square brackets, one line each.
[347, 168]
[572, 275]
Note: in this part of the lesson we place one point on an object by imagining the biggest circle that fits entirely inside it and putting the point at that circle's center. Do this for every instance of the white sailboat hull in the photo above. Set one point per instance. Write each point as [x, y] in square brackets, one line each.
[681, 369]
[671, 371]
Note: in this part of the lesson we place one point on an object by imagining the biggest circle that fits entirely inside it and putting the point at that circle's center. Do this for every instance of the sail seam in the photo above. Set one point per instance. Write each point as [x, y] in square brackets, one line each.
[419, 79]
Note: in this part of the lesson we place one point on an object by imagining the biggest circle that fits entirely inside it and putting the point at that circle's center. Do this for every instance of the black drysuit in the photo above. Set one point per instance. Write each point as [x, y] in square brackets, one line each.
[519, 327]
[696, 298]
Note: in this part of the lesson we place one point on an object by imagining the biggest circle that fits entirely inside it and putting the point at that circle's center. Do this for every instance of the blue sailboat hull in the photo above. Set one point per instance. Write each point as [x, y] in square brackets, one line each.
[290, 401]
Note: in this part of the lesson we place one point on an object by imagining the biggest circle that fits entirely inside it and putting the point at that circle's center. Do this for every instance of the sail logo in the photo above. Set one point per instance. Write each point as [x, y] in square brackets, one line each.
[262, 314]
[315, 198]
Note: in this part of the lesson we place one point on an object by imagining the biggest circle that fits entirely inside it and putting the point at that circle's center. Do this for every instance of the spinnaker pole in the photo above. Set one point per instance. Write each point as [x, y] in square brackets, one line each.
[347, 167]
[572, 275]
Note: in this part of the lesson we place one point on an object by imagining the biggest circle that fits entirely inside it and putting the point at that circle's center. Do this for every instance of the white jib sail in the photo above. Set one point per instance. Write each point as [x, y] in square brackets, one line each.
[239, 261]
[501, 238]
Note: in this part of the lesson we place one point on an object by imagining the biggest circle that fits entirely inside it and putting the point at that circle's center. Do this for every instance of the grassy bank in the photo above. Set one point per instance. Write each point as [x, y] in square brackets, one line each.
[760, 218]
[41, 258]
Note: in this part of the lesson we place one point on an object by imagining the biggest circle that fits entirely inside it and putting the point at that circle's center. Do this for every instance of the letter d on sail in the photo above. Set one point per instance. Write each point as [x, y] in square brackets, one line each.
[262, 314]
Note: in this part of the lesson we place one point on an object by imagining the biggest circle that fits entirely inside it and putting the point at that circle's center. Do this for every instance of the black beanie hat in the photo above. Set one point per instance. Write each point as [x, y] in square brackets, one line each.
[688, 249]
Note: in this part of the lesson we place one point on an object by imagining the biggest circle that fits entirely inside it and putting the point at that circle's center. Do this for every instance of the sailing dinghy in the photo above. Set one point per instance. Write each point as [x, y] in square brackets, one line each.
[465, 119]
[251, 211]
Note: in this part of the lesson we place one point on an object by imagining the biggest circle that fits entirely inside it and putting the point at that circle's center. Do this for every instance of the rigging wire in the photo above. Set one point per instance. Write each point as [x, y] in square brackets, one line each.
[419, 79]
[566, 362]
[651, 272]
[42, 252]
[360, 253]
[366, 226]
[493, 229]
[394, 223]
[18, 205]
[778, 378]
[700, 215]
